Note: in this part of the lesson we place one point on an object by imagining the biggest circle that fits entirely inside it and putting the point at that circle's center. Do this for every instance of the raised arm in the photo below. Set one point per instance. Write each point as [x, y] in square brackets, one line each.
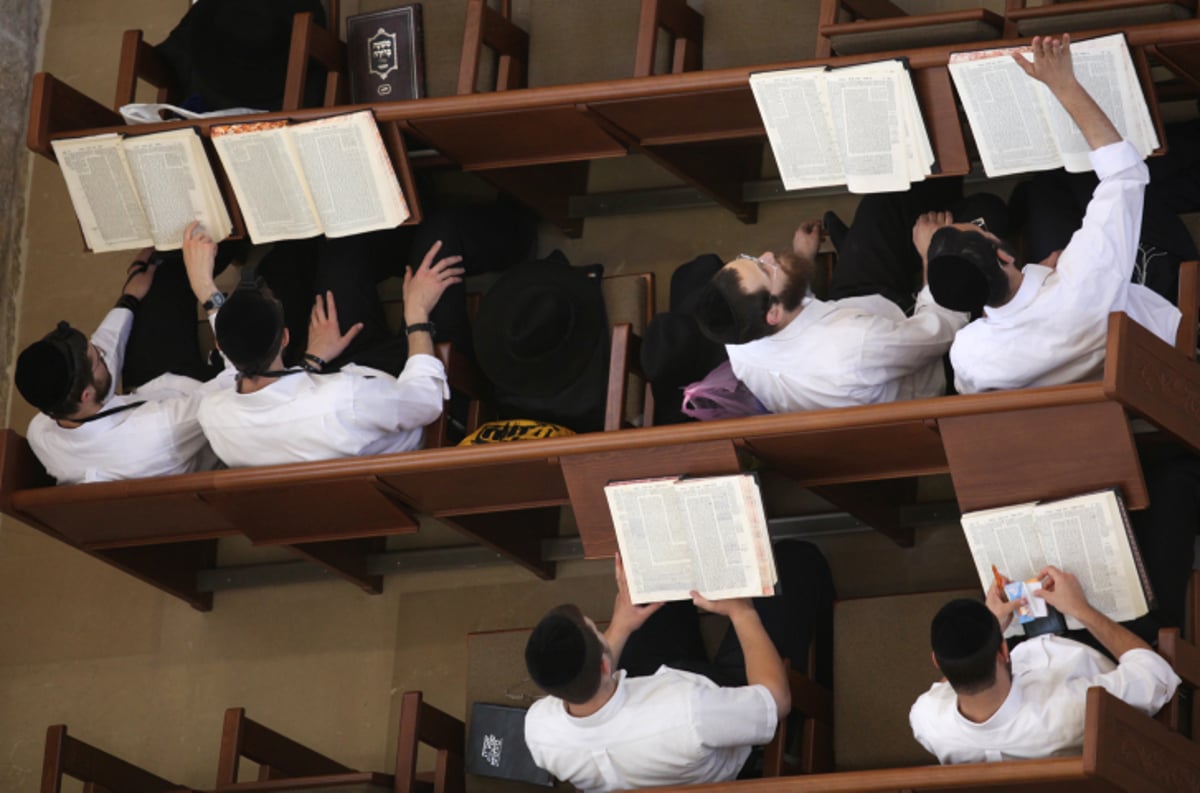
[1052, 66]
[423, 288]
[1062, 590]
[764, 667]
[626, 617]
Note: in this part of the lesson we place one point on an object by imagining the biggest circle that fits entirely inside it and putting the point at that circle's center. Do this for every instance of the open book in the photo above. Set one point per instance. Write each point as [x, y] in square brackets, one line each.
[331, 176]
[1019, 126]
[859, 126]
[679, 535]
[1088, 536]
[141, 191]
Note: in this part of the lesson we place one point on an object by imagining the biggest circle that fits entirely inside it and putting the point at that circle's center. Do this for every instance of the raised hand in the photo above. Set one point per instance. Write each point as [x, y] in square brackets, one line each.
[199, 258]
[1062, 590]
[1051, 62]
[424, 286]
[626, 616]
[807, 239]
[1003, 610]
[325, 338]
[923, 231]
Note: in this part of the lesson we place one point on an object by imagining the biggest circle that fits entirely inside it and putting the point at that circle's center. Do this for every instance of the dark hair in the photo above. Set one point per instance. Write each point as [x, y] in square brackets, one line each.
[563, 655]
[249, 329]
[727, 314]
[964, 270]
[965, 637]
[53, 372]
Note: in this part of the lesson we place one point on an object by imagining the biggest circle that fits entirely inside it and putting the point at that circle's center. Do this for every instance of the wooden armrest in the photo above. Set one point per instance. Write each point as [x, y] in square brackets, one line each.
[624, 357]
[487, 27]
[1189, 306]
[1183, 656]
[809, 697]
[243, 737]
[140, 61]
[685, 26]
[420, 723]
[310, 41]
[67, 756]
[463, 375]
[57, 107]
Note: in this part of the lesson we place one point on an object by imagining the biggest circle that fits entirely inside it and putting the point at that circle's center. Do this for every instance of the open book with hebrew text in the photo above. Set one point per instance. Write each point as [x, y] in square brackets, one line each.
[678, 535]
[1088, 536]
[141, 191]
[860, 126]
[332, 176]
[1019, 126]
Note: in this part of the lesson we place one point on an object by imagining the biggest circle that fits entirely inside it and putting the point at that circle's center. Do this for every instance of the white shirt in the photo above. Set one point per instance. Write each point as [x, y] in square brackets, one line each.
[303, 417]
[854, 351]
[1043, 715]
[159, 438]
[671, 728]
[1054, 329]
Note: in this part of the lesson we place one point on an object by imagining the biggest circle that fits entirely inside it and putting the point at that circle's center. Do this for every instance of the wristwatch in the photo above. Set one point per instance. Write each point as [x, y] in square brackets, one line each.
[215, 301]
[418, 327]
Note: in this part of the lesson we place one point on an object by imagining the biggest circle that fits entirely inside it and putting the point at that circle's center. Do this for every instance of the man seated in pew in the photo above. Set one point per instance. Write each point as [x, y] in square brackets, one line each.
[640, 704]
[87, 430]
[879, 337]
[995, 705]
[1046, 324]
[343, 400]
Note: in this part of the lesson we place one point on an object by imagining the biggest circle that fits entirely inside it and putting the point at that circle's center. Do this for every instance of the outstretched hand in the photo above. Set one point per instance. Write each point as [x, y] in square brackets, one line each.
[1063, 591]
[424, 286]
[199, 258]
[325, 338]
[923, 231]
[1051, 62]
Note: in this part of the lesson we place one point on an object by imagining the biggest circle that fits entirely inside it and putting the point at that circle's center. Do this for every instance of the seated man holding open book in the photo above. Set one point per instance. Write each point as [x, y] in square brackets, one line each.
[640, 705]
[89, 432]
[871, 341]
[997, 705]
[330, 406]
[1046, 324]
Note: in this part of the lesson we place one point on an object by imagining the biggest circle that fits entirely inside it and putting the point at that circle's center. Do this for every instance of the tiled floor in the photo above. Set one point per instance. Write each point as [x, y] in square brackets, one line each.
[147, 677]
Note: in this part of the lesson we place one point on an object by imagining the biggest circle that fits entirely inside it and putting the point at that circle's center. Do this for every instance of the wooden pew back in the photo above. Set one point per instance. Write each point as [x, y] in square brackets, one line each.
[100, 771]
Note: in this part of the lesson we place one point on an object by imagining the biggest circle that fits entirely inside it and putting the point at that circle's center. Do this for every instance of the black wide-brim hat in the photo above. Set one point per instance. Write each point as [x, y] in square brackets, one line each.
[234, 53]
[539, 325]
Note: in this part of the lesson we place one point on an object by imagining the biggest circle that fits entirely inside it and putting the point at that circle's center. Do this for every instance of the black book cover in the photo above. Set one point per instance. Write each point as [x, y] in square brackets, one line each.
[386, 55]
[496, 746]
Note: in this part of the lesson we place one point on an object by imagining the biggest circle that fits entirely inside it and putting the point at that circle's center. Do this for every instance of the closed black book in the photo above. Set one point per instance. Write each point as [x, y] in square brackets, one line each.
[386, 55]
[496, 746]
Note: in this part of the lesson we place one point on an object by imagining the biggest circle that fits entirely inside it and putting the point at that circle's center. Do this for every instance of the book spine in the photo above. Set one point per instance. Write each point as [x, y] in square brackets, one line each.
[1138, 562]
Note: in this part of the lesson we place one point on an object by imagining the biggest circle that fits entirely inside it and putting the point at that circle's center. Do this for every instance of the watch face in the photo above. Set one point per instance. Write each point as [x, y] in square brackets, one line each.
[216, 301]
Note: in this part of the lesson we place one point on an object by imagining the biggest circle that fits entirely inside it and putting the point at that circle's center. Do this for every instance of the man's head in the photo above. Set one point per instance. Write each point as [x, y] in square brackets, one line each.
[750, 297]
[967, 644]
[567, 656]
[969, 267]
[62, 372]
[250, 330]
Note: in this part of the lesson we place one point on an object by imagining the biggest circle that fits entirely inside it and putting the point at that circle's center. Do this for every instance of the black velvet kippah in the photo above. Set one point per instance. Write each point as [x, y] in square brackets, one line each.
[957, 264]
[45, 373]
[556, 652]
[248, 328]
[961, 628]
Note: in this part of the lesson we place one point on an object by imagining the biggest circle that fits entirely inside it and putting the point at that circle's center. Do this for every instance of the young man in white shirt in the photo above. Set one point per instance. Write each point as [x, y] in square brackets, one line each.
[86, 430]
[871, 341]
[326, 408]
[995, 705]
[1047, 323]
[639, 705]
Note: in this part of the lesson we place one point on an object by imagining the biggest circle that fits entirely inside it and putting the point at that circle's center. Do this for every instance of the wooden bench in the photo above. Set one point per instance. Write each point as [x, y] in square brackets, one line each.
[508, 497]
[67, 756]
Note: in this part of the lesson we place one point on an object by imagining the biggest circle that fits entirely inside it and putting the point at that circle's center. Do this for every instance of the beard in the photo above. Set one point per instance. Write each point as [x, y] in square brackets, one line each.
[797, 273]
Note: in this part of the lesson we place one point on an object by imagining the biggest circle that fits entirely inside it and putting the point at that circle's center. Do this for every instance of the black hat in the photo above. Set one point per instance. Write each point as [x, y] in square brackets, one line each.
[964, 272]
[690, 277]
[234, 53]
[961, 628]
[249, 329]
[49, 369]
[539, 326]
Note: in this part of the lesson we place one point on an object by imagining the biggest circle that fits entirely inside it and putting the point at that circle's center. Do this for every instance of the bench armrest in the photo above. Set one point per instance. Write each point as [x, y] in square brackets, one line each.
[311, 42]
[422, 723]
[244, 737]
[140, 61]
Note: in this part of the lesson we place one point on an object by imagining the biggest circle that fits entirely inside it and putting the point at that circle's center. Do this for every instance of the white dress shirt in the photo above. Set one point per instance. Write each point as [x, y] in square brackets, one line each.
[671, 728]
[1043, 715]
[110, 340]
[1054, 330]
[854, 351]
[303, 417]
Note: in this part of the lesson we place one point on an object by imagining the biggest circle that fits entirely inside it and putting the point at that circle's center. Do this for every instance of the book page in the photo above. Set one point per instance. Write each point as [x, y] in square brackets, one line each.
[1104, 68]
[869, 122]
[655, 545]
[795, 110]
[728, 536]
[265, 173]
[102, 192]
[1086, 536]
[176, 185]
[349, 174]
[1004, 110]
[1004, 537]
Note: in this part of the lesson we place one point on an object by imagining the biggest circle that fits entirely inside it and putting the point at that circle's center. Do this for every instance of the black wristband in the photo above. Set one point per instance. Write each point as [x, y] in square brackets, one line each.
[427, 327]
[320, 363]
[128, 301]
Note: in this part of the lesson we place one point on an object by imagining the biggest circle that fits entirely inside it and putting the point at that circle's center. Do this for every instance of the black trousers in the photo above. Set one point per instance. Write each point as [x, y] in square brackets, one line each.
[488, 238]
[800, 611]
[877, 255]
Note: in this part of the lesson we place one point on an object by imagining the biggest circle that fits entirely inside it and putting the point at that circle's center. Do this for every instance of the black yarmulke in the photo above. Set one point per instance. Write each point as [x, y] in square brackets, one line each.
[248, 328]
[556, 652]
[45, 374]
[963, 270]
[961, 628]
